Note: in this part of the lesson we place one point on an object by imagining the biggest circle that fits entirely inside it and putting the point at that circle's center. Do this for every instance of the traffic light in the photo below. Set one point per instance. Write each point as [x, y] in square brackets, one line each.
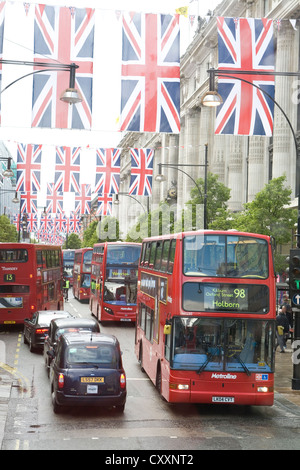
[294, 276]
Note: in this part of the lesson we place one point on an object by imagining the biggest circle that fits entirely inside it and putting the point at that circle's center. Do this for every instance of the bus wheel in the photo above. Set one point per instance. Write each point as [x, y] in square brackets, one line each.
[158, 378]
[141, 357]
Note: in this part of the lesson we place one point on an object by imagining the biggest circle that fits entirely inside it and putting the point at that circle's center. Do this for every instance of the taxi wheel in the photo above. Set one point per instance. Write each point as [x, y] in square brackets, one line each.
[56, 407]
[31, 348]
[120, 408]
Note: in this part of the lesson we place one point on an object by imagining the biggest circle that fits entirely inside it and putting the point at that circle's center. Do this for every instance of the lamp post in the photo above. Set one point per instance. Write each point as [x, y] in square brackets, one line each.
[211, 99]
[8, 173]
[117, 202]
[70, 95]
[177, 166]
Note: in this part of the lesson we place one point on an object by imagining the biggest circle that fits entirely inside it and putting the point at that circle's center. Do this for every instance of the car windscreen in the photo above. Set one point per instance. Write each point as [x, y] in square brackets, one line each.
[95, 355]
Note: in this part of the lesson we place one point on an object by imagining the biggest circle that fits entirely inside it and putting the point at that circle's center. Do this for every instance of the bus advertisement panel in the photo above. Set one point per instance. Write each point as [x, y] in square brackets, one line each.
[206, 317]
[68, 261]
[114, 281]
[31, 280]
[82, 273]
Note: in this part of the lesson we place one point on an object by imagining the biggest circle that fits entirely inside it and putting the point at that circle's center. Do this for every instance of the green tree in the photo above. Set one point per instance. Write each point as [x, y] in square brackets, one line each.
[109, 231]
[269, 213]
[8, 232]
[90, 236]
[159, 221]
[73, 242]
[218, 195]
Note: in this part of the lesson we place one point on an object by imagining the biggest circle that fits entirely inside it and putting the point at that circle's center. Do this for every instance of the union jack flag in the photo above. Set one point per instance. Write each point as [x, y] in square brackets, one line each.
[75, 224]
[67, 169]
[28, 202]
[83, 200]
[32, 222]
[29, 160]
[150, 89]
[60, 223]
[54, 200]
[2, 16]
[46, 223]
[104, 205]
[107, 179]
[246, 45]
[141, 172]
[64, 36]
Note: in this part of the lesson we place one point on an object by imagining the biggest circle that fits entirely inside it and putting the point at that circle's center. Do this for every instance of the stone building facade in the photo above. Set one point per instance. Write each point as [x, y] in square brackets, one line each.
[244, 164]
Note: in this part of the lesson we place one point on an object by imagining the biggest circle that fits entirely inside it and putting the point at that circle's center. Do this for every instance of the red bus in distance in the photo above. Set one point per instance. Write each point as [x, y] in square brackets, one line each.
[30, 280]
[82, 273]
[114, 281]
[206, 317]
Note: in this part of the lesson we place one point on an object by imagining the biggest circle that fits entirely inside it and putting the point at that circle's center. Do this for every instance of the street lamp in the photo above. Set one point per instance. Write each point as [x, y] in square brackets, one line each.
[8, 173]
[209, 100]
[177, 166]
[117, 202]
[70, 95]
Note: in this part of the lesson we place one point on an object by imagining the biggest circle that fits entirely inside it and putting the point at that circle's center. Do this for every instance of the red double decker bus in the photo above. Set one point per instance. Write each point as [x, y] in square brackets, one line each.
[114, 281]
[82, 273]
[206, 317]
[31, 280]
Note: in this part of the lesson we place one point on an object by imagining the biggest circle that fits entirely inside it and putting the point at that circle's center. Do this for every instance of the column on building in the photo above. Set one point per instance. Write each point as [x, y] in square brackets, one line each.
[255, 173]
[284, 153]
[237, 153]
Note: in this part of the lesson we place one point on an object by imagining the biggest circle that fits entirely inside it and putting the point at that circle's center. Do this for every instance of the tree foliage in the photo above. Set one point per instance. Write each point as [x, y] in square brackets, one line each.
[269, 213]
[8, 232]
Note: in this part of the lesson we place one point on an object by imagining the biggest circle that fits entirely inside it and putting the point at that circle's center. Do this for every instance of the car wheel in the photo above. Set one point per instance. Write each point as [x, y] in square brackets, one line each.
[24, 339]
[31, 348]
[56, 407]
[120, 408]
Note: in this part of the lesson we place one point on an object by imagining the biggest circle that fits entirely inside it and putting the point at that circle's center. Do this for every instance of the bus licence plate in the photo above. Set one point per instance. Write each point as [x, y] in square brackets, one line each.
[223, 399]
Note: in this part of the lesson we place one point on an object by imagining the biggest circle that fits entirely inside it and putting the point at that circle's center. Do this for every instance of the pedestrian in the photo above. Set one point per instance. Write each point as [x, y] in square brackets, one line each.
[282, 329]
[66, 287]
[289, 311]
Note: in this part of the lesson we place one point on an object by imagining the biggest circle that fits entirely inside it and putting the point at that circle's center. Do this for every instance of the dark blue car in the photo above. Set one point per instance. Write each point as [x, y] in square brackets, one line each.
[87, 371]
[62, 326]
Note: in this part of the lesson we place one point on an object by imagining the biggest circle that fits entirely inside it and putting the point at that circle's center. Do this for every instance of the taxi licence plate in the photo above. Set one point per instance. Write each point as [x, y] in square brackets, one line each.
[91, 380]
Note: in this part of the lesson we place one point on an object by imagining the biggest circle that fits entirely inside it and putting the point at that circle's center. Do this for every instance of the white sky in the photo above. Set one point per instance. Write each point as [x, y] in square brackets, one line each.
[18, 44]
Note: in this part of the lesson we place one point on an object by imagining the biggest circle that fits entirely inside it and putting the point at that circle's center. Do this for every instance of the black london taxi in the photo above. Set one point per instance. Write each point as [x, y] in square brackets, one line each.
[87, 371]
[61, 326]
[36, 328]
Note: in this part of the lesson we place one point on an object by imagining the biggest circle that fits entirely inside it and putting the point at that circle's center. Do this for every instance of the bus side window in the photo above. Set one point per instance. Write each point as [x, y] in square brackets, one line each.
[171, 256]
[39, 258]
[147, 254]
[152, 254]
[158, 254]
[143, 252]
[165, 256]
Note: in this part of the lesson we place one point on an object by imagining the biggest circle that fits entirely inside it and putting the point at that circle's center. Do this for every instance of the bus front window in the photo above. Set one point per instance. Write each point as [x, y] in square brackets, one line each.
[120, 293]
[232, 345]
[225, 256]
[197, 342]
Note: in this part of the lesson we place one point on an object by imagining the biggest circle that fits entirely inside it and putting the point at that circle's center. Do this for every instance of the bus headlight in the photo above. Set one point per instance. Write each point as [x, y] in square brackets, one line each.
[263, 389]
[179, 386]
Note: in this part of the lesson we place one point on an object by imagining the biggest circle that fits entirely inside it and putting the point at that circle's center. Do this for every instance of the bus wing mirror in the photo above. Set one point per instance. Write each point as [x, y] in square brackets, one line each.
[167, 329]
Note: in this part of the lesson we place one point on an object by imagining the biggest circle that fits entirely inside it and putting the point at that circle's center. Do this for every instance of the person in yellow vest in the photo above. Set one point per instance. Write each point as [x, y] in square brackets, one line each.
[66, 287]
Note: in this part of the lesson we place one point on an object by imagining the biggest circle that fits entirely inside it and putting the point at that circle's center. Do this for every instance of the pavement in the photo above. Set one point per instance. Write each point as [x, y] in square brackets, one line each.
[283, 385]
